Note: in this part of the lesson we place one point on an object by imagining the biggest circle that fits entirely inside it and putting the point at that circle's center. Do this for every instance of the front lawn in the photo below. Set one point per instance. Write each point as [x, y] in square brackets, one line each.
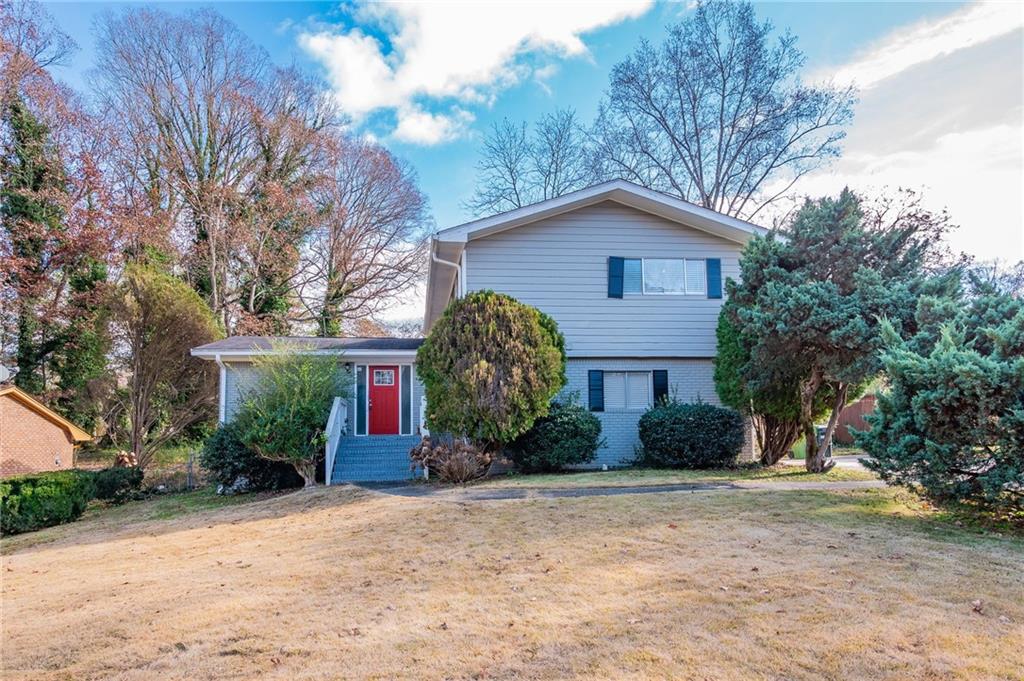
[629, 477]
[347, 583]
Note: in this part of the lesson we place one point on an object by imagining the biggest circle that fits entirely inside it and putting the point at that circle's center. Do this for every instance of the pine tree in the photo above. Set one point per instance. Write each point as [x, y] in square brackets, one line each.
[32, 194]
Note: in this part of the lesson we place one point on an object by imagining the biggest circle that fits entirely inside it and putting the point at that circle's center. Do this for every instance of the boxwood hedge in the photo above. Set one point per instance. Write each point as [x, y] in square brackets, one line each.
[680, 435]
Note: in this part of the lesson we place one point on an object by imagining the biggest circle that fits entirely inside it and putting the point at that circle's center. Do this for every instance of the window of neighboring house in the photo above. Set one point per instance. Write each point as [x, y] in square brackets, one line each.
[664, 276]
[627, 390]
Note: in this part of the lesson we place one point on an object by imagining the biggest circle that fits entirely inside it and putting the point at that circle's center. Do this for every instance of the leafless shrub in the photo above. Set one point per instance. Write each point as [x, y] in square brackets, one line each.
[451, 461]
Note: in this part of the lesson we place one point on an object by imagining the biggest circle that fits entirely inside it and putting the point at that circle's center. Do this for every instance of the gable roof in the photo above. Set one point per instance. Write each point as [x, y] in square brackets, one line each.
[447, 245]
[236, 346]
[620, 191]
[22, 397]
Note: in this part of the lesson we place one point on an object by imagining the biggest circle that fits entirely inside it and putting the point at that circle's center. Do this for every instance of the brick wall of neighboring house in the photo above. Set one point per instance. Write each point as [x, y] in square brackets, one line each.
[29, 442]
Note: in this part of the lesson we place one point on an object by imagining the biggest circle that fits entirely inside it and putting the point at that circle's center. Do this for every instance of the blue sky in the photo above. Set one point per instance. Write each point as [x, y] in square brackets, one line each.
[940, 105]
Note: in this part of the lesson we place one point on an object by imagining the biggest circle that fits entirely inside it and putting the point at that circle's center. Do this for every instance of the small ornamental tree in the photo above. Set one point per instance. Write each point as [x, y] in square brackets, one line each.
[812, 302]
[157, 320]
[952, 421]
[285, 416]
[490, 367]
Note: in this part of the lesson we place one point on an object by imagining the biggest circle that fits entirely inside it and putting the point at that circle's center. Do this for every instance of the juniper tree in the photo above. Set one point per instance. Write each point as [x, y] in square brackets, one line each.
[952, 420]
[490, 367]
[813, 299]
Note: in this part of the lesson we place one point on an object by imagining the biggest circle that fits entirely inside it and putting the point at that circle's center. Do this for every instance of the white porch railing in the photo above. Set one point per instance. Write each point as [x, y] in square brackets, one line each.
[335, 429]
[423, 417]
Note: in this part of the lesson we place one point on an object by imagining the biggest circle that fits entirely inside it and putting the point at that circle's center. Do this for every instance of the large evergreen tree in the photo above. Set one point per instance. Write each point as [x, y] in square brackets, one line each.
[952, 420]
[33, 193]
[813, 299]
[490, 367]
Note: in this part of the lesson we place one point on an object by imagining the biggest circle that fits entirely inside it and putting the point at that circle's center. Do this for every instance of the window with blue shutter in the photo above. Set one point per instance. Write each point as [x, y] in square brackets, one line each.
[660, 379]
[595, 384]
[714, 267]
[614, 277]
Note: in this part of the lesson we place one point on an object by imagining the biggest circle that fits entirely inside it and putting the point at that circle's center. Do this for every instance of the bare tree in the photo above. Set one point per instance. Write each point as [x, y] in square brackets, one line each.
[717, 115]
[30, 42]
[559, 155]
[517, 168]
[369, 246]
[293, 157]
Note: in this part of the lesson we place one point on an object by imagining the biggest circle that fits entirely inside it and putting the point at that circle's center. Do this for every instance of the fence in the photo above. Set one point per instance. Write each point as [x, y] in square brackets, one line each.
[853, 415]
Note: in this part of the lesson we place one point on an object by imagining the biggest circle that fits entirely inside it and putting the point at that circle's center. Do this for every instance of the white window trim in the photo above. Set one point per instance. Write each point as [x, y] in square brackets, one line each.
[625, 390]
[643, 279]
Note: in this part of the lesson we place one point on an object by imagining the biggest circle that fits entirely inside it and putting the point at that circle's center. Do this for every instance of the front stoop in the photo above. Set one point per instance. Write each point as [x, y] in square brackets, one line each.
[374, 458]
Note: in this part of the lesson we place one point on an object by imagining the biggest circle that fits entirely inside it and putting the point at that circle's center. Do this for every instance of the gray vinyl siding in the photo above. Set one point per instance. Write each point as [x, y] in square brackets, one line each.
[689, 380]
[242, 378]
[560, 265]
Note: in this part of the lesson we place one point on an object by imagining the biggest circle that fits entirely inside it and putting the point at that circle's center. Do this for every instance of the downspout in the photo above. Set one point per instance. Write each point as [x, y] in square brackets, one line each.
[442, 261]
[223, 392]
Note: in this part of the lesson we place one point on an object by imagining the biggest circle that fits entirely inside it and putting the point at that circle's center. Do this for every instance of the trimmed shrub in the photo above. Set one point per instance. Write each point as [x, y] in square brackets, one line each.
[117, 484]
[568, 436]
[451, 461]
[678, 435]
[32, 502]
[490, 367]
[227, 459]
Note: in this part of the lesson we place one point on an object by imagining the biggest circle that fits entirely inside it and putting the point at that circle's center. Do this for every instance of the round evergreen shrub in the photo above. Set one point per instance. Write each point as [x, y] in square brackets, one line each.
[117, 484]
[568, 436]
[679, 435]
[227, 459]
[490, 367]
[32, 502]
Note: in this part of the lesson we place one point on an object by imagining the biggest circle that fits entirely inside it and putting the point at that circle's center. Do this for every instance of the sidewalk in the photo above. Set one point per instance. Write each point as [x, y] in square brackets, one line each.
[471, 494]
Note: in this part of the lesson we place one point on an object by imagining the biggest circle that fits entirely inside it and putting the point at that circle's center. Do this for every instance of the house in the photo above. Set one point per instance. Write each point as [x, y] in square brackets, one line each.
[634, 279]
[33, 437]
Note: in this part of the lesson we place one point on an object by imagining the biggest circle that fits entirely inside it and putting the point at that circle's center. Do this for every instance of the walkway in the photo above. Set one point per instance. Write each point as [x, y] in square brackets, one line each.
[484, 494]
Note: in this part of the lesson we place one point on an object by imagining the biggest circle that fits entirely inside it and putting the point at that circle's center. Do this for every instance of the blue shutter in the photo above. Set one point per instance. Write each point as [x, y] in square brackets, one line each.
[714, 270]
[595, 383]
[614, 277]
[660, 377]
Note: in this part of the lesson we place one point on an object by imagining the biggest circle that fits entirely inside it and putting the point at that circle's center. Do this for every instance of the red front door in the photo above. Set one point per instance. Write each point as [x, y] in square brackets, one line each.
[383, 400]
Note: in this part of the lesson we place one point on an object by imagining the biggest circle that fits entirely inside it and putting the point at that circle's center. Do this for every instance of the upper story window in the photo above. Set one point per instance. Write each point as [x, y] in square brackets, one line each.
[664, 276]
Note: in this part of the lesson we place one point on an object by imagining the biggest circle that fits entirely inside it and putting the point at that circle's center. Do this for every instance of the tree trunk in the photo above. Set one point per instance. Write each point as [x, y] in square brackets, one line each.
[814, 459]
[833, 420]
[307, 469]
[775, 437]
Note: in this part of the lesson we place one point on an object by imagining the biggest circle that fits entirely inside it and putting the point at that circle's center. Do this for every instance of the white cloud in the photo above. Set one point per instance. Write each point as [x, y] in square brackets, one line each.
[422, 127]
[408, 56]
[976, 175]
[922, 42]
[944, 115]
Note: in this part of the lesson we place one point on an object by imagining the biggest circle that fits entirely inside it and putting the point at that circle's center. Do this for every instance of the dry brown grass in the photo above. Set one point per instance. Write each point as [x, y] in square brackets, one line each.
[340, 583]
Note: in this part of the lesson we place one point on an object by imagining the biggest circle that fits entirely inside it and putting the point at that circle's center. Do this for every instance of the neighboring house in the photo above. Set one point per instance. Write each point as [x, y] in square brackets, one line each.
[33, 437]
[634, 279]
